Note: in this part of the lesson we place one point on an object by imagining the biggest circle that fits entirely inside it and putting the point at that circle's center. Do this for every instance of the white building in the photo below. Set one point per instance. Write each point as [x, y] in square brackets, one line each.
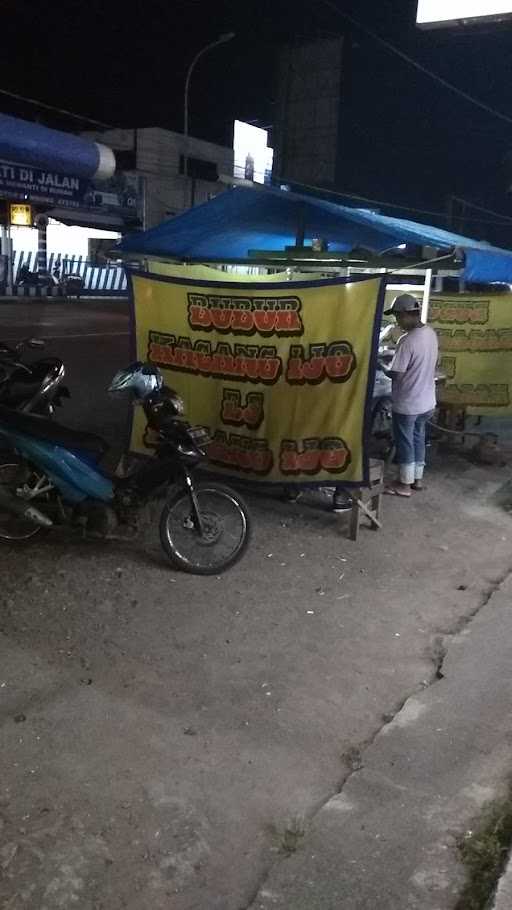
[62, 240]
[149, 161]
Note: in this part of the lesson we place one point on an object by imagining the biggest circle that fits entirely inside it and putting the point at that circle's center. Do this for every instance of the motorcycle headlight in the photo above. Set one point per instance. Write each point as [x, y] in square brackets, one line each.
[177, 403]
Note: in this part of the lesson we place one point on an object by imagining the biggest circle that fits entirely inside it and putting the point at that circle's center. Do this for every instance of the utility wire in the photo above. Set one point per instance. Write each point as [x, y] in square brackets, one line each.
[481, 208]
[394, 205]
[58, 110]
[416, 64]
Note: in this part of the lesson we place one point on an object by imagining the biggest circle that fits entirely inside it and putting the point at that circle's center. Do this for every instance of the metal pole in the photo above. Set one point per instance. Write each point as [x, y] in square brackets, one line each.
[42, 259]
[426, 295]
[223, 39]
[9, 259]
[3, 251]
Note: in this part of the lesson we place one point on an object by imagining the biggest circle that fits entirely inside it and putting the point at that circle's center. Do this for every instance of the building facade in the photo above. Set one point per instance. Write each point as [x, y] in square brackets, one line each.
[306, 131]
[176, 172]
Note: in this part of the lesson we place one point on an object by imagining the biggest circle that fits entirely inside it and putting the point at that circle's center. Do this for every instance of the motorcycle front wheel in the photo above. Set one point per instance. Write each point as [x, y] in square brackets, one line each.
[212, 540]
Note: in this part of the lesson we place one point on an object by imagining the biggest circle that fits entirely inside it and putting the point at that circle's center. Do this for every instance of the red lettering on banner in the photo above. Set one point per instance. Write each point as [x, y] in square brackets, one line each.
[312, 456]
[242, 320]
[251, 363]
[313, 370]
[199, 317]
[288, 322]
[245, 315]
[236, 412]
[241, 452]
[335, 361]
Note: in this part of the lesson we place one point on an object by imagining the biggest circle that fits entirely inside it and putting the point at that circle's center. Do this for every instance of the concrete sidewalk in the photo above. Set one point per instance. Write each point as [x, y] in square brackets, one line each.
[389, 839]
[504, 894]
[160, 733]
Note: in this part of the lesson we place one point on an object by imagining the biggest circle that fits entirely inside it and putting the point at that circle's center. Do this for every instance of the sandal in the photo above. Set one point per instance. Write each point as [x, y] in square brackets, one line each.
[394, 491]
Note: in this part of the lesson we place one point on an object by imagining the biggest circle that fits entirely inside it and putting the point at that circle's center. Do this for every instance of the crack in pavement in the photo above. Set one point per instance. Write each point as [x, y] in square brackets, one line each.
[354, 756]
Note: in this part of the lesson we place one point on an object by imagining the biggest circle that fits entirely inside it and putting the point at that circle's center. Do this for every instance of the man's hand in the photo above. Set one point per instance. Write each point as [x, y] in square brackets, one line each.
[391, 374]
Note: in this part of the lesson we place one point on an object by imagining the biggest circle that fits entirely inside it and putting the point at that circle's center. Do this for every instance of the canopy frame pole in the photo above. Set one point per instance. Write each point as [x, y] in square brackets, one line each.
[8, 250]
[301, 228]
[425, 305]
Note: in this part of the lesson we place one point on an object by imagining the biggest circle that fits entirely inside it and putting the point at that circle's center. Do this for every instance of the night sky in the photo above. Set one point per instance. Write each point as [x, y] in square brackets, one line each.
[404, 138]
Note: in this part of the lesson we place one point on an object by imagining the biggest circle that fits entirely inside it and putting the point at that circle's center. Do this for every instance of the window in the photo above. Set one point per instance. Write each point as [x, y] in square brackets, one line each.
[200, 169]
[126, 160]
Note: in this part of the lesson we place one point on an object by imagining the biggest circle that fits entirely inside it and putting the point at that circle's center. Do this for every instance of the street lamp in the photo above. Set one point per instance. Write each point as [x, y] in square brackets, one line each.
[222, 39]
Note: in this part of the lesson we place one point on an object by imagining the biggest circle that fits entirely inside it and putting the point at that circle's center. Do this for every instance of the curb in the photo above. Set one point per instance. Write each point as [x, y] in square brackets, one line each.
[503, 899]
[67, 302]
[389, 837]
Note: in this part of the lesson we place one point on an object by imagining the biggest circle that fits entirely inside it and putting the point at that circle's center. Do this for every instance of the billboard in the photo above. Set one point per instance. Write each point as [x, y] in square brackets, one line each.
[308, 111]
[433, 13]
[33, 184]
[253, 158]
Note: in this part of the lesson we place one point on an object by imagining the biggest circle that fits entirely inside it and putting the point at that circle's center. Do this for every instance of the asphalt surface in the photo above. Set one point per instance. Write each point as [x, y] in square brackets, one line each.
[161, 735]
[94, 342]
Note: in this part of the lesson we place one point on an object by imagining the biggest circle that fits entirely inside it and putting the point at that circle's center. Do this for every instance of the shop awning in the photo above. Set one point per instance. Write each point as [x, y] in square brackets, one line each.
[38, 146]
[243, 223]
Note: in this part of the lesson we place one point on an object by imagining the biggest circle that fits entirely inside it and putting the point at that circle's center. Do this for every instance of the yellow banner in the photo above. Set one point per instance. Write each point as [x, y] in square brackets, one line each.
[475, 343]
[210, 274]
[282, 375]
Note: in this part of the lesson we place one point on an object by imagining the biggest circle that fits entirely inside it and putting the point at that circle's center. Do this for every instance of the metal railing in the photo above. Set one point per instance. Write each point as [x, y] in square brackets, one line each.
[97, 279]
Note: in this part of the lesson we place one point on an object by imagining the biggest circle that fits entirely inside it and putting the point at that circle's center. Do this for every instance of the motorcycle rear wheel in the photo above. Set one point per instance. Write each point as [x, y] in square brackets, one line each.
[226, 529]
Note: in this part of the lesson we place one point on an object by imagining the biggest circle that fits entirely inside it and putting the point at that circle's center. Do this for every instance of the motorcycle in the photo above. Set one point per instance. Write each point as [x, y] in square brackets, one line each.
[26, 278]
[381, 433]
[34, 387]
[54, 478]
[68, 285]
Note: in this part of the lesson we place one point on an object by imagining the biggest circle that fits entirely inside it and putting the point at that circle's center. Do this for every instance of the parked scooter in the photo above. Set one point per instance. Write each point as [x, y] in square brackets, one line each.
[28, 279]
[35, 387]
[67, 284]
[55, 478]
[381, 433]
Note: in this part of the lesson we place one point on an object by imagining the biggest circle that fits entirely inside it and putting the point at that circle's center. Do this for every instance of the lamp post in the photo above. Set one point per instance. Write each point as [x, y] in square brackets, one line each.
[222, 39]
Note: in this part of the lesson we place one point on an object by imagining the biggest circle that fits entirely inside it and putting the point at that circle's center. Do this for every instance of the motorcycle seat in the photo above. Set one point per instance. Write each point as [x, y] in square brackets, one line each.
[49, 431]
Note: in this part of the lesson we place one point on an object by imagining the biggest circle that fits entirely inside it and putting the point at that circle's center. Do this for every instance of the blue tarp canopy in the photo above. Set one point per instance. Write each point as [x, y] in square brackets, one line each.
[269, 219]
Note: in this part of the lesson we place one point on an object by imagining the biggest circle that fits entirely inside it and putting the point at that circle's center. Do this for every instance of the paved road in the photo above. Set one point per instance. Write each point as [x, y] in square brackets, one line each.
[93, 341]
[160, 733]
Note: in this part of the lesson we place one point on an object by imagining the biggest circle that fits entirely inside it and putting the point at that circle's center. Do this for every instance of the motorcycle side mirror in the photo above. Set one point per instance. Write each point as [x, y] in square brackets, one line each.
[34, 343]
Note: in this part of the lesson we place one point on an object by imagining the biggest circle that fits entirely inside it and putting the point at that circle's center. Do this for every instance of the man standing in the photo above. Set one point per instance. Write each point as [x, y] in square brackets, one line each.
[414, 396]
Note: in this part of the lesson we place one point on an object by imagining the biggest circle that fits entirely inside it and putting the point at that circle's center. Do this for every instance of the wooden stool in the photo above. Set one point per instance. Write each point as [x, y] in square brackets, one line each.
[453, 418]
[367, 501]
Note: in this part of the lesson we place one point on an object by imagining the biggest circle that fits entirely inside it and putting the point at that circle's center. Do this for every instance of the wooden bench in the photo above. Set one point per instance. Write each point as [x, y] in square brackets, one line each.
[367, 501]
